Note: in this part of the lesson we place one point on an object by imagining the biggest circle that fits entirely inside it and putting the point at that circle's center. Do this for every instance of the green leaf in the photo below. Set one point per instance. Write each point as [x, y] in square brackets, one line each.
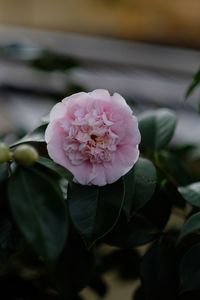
[4, 171]
[159, 269]
[73, 269]
[40, 212]
[131, 233]
[191, 193]
[49, 61]
[6, 230]
[193, 85]
[190, 270]
[50, 164]
[95, 210]
[140, 183]
[192, 225]
[174, 169]
[157, 128]
[157, 211]
[36, 136]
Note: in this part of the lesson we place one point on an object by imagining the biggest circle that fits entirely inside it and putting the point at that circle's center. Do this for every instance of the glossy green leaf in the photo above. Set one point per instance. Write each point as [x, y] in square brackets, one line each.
[36, 136]
[192, 225]
[157, 128]
[95, 210]
[140, 183]
[4, 171]
[193, 85]
[50, 164]
[39, 210]
[191, 193]
[131, 233]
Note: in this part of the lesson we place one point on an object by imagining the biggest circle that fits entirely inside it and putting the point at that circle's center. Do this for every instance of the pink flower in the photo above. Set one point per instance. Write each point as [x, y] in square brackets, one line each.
[93, 135]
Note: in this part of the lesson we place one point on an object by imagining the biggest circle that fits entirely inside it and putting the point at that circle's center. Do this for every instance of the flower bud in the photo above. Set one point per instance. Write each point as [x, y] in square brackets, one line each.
[25, 155]
[4, 153]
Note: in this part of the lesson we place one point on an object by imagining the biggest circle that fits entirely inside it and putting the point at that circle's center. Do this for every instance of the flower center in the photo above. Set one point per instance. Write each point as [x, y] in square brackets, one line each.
[89, 137]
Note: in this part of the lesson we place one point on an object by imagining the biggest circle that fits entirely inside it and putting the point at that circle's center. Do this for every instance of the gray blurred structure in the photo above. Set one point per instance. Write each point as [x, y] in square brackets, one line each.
[150, 75]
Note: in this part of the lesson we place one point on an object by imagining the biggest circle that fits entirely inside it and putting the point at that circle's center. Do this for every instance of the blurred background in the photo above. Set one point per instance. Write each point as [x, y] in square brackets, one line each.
[147, 50]
[169, 22]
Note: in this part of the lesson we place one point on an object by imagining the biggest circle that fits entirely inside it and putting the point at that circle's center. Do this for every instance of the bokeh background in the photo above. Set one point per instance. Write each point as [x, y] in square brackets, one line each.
[170, 22]
[147, 50]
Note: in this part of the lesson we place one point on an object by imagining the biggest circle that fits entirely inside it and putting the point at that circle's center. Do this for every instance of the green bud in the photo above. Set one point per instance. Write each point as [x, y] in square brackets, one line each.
[25, 155]
[4, 153]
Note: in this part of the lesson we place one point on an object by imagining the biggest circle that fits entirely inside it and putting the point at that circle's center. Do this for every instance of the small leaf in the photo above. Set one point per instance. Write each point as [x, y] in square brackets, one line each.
[191, 193]
[140, 183]
[157, 128]
[36, 136]
[193, 85]
[48, 163]
[191, 225]
[39, 211]
[95, 210]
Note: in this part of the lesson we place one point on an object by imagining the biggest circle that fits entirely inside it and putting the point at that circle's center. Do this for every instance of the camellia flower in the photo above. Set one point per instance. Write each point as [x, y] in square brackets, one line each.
[93, 135]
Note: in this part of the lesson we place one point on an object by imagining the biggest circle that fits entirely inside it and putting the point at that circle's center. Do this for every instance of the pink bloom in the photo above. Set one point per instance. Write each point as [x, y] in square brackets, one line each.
[93, 135]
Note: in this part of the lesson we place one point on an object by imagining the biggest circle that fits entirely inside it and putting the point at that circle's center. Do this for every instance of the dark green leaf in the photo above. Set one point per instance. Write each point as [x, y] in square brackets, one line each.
[4, 171]
[6, 230]
[193, 85]
[140, 183]
[39, 211]
[190, 270]
[157, 211]
[36, 136]
[74, 268]
[159, 270]
[95, 210]
[49, 61]
[174, 169]
[191, 193]
[191, 225]
[130, 233]
[157, 128]
[48, 163]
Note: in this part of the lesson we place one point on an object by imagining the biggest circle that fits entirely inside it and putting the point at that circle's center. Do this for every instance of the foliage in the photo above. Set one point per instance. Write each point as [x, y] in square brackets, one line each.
[194, 84]
[56, 228]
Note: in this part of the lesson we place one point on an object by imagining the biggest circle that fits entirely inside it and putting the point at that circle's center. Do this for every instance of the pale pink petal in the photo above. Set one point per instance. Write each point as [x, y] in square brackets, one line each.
[76, 99]
[83, 174]
[95, 136]
[49, 132]
[57, 112]
[100, 178]
[54, 138]
[121, 164]
[121, 102]
[100, 94]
